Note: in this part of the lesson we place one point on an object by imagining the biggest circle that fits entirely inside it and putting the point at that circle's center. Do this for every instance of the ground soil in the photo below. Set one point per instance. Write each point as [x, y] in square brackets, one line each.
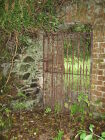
[37, 125]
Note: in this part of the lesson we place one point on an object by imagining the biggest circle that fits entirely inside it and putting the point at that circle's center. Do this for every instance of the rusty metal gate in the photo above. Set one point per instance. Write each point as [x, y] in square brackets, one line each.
[66, 67]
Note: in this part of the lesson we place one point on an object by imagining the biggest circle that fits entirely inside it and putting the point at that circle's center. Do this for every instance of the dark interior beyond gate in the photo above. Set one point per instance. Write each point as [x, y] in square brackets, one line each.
[66, 67]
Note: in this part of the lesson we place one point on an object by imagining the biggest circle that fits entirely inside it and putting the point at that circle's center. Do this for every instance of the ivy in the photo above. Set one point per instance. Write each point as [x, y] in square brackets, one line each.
[18, 14]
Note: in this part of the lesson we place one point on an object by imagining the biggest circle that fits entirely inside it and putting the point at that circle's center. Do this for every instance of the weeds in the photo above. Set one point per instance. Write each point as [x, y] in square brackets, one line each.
[80, 107]
[90, 135]
[57, 108]
[5, 118]
[47, 110]
[20, 94]
[59, 136]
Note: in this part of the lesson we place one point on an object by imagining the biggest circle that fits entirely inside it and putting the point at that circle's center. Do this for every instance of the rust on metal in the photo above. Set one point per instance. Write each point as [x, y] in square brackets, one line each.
[66, 67]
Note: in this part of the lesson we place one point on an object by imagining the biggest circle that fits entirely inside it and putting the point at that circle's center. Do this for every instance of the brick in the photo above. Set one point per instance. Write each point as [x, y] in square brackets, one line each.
[104, 95]
[98, 93]
[100, 78]
[99, 83]
[102, 66]
[102, 45]
[102, 55]
[95, 45]
[99, 37]
[101, 60]
[96, 60]
[103, 78]
[103, 89]
[102, 50]
[95, 55]
[96, 49]
[103, 100]
[99, 88]
[100, 72]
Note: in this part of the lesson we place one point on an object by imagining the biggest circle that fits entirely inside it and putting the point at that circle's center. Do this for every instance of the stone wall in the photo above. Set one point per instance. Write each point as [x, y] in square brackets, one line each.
[28, 66]
[92, 12]
[28, 70]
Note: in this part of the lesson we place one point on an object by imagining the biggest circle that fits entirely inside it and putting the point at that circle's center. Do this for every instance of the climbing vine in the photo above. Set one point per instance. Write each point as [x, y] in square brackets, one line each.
[25, 14]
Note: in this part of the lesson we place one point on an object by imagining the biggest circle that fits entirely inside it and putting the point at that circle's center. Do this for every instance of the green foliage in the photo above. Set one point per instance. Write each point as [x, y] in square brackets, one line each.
[19, 105]
[91, 127]
[103, 135]
[4, 53]
[20, 94]
[83, 98]
[6, 89]
[23, 105]
[85, 135]
[47, 110]
[84, 43]
[16, 15]
[57, 108]
[80, 107]
[103, 116]
[5, 118]
[80, 28]
[59, 136]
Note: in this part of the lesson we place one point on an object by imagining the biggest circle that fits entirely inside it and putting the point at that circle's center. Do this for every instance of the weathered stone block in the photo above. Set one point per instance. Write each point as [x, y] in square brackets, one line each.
[26, 76]
[28, 59]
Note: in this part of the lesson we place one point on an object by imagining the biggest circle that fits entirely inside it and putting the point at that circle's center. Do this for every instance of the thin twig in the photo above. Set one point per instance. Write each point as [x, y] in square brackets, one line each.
[12, 61]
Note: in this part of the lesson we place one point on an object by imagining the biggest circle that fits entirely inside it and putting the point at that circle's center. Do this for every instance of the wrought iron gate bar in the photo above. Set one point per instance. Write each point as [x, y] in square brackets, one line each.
[67, 73]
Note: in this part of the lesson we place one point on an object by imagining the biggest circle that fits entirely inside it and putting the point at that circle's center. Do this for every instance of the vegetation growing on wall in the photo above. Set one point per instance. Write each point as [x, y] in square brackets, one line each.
[25, 17]
[24, 14]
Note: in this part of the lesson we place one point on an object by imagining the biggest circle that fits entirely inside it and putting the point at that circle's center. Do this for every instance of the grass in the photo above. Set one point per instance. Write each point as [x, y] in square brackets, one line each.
[77, 79]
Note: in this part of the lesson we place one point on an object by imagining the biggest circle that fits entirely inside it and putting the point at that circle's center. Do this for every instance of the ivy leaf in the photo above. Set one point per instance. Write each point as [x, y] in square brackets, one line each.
[91, 127]
[88, 137]
[82, 136]
[103, 134]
